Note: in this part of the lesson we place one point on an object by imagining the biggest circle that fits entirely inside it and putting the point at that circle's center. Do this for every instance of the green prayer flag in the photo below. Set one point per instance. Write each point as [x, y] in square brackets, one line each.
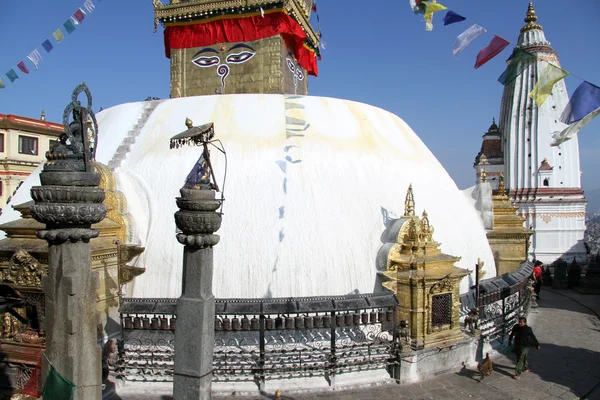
[520, 60]
[57, 387]
[69, 27]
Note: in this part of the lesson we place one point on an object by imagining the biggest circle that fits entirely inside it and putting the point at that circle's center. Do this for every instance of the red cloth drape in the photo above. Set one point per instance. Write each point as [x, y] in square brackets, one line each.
[31, 388]
[244, 29]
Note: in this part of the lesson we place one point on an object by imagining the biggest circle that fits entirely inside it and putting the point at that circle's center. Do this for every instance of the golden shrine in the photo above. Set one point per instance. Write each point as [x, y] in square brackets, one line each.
[425, 281]
[509, 239]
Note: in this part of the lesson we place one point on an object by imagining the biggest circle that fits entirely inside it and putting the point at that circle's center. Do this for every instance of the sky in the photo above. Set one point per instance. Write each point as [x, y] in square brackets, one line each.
[376, 52]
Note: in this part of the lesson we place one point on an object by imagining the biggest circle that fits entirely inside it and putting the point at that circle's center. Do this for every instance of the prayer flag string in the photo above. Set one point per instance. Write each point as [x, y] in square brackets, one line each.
[35, 57]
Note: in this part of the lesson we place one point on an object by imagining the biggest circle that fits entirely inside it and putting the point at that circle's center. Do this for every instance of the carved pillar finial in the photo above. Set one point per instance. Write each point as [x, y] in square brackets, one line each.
[501, 188]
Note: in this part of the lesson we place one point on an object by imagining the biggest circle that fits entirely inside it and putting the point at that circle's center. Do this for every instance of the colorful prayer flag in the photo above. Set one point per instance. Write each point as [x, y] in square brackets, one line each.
[519, 61]
[35, 57]
[89, 6]
[58, 35]
[417, 6]
[57, 387]
[69, 27]
[585, 99]
[573, 129]
[430, 8]
[549, 76]
[79, 15]
[23, 67]
[31, 387]
[452, 18]
[492, 50]
[47, 46]
[464, 39]
[12, 75]
[2, 85]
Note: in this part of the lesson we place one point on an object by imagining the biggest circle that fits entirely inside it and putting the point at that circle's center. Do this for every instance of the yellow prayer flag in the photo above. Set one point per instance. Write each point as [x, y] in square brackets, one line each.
[549, 76]
[58, 35]
[430, 8]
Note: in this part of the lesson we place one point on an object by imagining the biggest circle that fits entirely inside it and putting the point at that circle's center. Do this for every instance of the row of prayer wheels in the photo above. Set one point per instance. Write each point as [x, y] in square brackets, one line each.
[302, 321]
[156, 322]
[281, 322]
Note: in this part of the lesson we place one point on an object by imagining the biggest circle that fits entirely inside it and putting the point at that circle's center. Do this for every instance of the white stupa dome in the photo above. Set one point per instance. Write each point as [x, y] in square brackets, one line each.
[309, 181]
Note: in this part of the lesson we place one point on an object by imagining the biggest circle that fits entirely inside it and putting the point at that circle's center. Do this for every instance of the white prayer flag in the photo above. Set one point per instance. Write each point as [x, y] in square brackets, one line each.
[571, 130]
[35, 58]
[89, 6]
[465, 38]
[74, 20]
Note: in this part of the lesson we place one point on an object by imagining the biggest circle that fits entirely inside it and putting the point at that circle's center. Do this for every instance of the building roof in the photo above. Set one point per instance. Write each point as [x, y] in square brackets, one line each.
[309, 180]
[9, 121]
[491, 147]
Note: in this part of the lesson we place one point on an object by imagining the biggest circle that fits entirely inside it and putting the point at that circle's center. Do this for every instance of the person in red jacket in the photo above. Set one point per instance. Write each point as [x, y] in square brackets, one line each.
[524, 339]
[537, 276]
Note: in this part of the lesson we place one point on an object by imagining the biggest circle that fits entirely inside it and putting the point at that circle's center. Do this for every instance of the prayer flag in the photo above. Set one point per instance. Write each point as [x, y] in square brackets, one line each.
[47, 46]
[73, 20]
[520, 60]
[69, 26]
[464, 39]
[31, 387]
[492, 50]
[89, 6]
[452, 18]
[58, 35]
[35, 57]
[12, 75]
[571, 130]
[79, 15]
[23, 67]
[549, 76]
[585, 99]
[57, 387]
[430, 8]
[2, 85]
[417, 6]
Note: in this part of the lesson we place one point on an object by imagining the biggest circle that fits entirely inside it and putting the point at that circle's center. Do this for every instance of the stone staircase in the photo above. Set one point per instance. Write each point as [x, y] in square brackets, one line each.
[125, 146]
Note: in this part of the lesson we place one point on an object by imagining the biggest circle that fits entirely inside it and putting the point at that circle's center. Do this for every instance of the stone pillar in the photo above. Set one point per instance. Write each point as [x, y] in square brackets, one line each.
[194, 336]
[69, 202]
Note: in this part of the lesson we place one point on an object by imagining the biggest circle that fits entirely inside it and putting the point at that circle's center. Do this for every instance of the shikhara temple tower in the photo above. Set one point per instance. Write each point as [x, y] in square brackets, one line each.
[233, 46]
[544, 181]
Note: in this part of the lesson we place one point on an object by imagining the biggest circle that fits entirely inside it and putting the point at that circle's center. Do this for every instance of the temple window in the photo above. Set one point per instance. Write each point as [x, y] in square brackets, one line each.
[441, 310]
[1, 142]
[546, 182]
[28, 145]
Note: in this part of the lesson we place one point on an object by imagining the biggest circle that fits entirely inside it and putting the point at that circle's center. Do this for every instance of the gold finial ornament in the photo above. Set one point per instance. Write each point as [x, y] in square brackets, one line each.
[531, 18]
[277, 395]
[188, 123]
[483, 176]
[501, 188]
[409, 203]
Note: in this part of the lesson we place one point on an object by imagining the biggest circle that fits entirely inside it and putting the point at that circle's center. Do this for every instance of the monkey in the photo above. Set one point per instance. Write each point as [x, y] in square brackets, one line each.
[486, 367]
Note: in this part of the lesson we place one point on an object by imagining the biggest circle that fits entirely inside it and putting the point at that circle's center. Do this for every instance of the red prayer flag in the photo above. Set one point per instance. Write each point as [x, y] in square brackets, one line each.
[492, 50]
[23, 67]
[31, 388]
[79, 15]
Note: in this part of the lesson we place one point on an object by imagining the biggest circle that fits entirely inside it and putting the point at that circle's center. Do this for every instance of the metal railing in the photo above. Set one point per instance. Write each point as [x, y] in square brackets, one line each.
[259, 339]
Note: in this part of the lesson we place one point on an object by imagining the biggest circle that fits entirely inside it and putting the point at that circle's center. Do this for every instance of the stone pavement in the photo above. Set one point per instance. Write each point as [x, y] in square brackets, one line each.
[567, 367]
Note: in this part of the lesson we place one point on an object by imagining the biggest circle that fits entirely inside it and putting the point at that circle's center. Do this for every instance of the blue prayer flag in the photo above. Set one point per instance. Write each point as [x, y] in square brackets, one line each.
[585, 99]
[452, 18]
[12, 75]
[47, 46]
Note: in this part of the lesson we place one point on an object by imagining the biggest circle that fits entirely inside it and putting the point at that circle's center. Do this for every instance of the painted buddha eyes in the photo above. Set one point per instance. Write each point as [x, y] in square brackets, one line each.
[206, 61]
[239, 58]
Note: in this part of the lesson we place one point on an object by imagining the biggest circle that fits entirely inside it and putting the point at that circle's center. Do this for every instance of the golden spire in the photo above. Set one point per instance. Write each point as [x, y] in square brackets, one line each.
[530, 19]
[188, 123]
[501, 188]
[483, 176]
[409, 203]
